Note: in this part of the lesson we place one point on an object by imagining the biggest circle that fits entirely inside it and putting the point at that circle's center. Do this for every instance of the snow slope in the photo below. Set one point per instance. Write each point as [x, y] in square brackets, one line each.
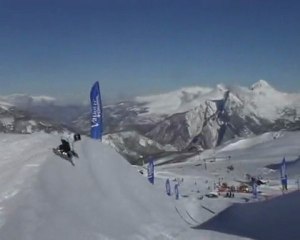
[43, 197]
[251, 141]
[103, 196]
[201, 173]
[274, 215]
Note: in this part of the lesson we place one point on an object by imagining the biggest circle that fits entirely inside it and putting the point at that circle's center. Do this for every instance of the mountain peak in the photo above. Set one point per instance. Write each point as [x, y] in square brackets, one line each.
[221, 87]
[261, 84]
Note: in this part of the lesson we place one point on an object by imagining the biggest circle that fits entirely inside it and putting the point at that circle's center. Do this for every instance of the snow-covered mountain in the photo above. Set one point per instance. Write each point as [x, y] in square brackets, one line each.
[185, 120]
[198, 118]
[260, 100]
[16, 115]
[44, 107]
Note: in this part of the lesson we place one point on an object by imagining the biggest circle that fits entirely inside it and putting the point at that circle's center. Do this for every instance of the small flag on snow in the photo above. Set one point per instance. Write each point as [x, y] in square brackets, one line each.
[254, 190]
[151, 171]
[283, 174]
[168, 187]
[283, 169]
[176, 191]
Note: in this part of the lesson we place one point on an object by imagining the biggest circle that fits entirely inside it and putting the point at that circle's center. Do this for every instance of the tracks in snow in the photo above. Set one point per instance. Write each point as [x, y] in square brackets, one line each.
[187, 218]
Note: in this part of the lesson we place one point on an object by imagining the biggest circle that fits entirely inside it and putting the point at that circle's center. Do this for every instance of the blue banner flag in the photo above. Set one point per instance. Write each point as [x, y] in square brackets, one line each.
[176, 191]
[283, 174]
[168, 187]
[151, 171]
[283, 169]
[96, 118]
[254, 190]
[284, 183]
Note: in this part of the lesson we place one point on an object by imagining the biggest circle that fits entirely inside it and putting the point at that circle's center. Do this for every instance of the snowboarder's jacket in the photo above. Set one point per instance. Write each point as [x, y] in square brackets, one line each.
[65, 146]
[70, 138]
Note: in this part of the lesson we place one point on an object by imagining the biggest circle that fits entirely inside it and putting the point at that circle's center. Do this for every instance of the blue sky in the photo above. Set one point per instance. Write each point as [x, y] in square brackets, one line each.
[137, 47]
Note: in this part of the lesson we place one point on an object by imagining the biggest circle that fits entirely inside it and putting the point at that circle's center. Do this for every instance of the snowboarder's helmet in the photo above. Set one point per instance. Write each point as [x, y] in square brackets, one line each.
[77, 137]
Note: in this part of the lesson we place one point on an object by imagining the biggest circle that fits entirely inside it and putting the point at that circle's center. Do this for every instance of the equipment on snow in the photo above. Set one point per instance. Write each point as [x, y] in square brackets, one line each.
[150, 171]
[74, 154]
[65, 155]
[176, 191]
[168, 187]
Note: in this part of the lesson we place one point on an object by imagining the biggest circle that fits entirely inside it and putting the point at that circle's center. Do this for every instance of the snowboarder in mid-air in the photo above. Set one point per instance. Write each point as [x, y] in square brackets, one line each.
[66, 148]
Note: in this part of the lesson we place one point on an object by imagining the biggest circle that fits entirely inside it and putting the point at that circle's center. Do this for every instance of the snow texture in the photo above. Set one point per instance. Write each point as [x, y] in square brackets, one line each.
[43, 197]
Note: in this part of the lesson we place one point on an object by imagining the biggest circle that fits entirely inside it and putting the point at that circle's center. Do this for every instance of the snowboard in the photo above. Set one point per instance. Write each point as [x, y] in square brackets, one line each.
[63, 155]
[74, 154]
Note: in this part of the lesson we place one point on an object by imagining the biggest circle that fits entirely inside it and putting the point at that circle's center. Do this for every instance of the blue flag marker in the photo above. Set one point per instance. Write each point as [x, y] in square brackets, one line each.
[96, 118]
[150, 170]
[176, 191]
[283, 174]
[283, 169]
[168, 187]
[254, 191]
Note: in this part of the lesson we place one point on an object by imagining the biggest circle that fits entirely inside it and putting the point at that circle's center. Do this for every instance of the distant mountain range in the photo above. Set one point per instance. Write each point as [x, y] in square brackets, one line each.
[13, 120]
[188, 120]
[21, 113]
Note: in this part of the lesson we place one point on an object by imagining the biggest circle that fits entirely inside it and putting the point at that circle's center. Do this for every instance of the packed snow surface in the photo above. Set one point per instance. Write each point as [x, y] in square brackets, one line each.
[103, 197]
[262, 217]
[43, 197]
